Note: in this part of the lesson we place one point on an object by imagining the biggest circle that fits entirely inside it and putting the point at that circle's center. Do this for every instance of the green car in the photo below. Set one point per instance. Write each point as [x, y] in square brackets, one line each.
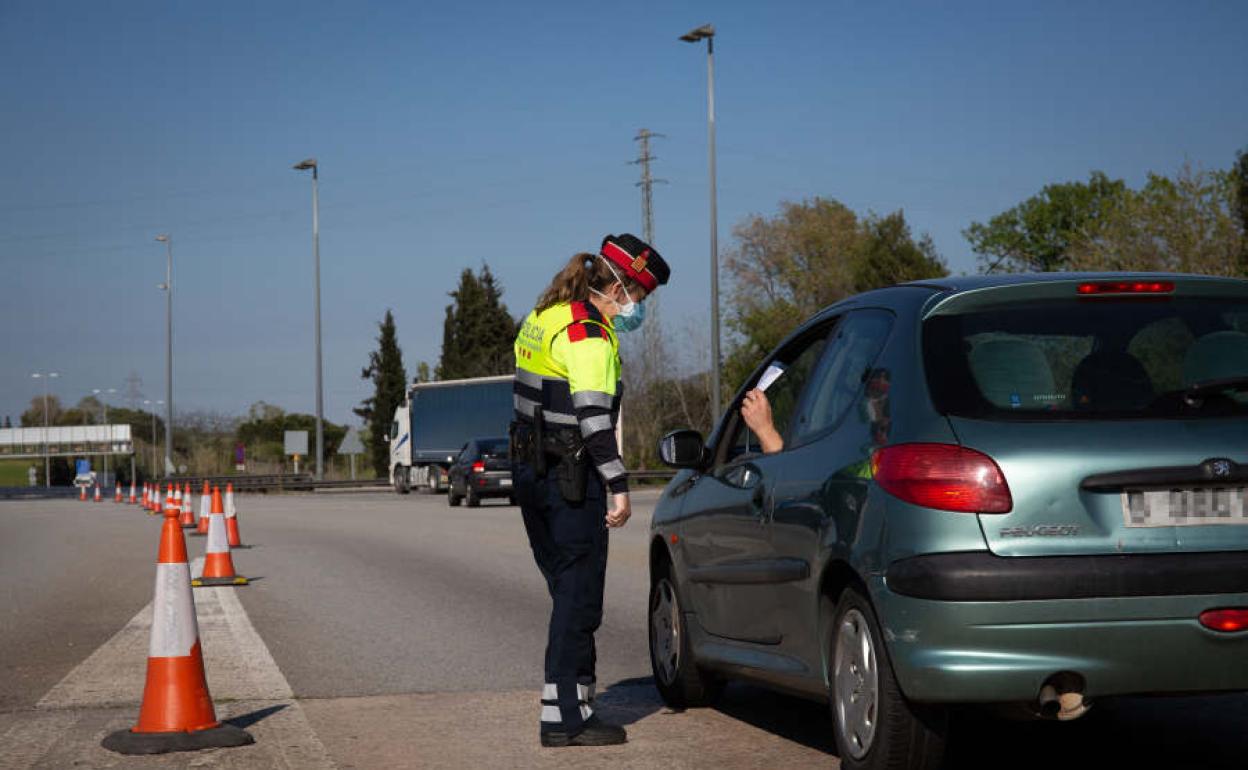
[1025, 490]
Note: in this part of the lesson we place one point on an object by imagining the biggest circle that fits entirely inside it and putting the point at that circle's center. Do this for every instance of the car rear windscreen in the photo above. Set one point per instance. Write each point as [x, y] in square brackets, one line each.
[495, 448]
[1102, 358]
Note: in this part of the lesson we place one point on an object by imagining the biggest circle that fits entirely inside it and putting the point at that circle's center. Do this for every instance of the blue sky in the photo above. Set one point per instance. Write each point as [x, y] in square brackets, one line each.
[451, 134]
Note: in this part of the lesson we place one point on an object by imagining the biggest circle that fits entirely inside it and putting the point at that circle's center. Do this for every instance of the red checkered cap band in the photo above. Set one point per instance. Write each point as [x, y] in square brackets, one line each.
[634, 266]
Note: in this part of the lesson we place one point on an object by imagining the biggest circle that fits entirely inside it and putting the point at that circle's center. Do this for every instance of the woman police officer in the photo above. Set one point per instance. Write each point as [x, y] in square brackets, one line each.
[569, 479]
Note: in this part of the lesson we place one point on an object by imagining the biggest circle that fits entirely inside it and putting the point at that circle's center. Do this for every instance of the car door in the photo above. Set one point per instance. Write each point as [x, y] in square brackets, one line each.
[821, 484]
[457, 477]
[732, 569]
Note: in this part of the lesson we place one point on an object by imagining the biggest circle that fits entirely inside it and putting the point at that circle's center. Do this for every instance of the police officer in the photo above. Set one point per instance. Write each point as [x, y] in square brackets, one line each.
[569, 479]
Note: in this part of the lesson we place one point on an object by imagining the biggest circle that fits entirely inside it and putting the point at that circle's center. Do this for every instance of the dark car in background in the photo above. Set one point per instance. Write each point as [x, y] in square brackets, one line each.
[1025, 491]
[482, 469]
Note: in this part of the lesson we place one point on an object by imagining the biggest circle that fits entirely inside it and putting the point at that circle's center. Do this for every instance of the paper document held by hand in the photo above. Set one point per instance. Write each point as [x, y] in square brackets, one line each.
[774, 370]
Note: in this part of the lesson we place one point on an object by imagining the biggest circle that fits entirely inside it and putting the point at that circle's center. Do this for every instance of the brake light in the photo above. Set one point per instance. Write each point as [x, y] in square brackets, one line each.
[478, 467]
[1228, 620]
[946, 477]
[1127, 287]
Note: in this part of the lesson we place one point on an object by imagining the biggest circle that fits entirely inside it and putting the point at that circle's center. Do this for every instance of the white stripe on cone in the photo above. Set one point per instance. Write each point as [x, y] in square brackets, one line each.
[229, 504]
[203, 506]
[217, 540]
[174, 630]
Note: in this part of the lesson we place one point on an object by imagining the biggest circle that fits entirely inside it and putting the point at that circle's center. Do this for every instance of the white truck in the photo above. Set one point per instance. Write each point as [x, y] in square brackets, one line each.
[434, 422]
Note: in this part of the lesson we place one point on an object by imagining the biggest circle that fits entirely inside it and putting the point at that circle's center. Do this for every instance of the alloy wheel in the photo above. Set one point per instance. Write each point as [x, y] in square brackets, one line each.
[665, 631]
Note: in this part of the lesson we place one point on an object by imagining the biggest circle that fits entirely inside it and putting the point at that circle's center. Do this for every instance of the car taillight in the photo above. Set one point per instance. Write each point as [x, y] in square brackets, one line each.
[1127, 287]
[478, 467]
[1227, 620]
[942, 476]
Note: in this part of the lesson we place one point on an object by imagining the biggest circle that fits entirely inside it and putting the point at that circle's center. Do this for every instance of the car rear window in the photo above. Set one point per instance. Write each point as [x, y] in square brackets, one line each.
[493, 448]
[1102, 358]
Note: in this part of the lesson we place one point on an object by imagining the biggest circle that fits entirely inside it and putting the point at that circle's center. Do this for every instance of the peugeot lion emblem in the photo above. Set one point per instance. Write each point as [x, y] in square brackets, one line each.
[1220, 468]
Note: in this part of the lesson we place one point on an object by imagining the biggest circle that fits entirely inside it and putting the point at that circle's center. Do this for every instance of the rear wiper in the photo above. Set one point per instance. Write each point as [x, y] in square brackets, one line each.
[1196, 392]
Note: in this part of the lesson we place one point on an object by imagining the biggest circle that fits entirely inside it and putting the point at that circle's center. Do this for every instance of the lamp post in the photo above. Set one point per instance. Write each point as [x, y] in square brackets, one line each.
[146, 402]
[707, 32]
[47, 460]
[305, 165]
[167, 239]
[104, 402]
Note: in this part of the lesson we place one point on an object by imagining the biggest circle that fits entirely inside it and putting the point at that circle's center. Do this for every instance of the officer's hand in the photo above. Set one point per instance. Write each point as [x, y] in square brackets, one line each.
[619, 510]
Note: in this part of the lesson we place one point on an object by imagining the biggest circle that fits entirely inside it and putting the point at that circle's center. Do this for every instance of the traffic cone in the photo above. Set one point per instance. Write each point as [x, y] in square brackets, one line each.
[231, 518]
[218, 566]
[82, 493]
[134, 500]
[117, 492]
[188, 508]
[205, 501]
[97, 494]
[157, 510]
[171, 502]
[177, 713]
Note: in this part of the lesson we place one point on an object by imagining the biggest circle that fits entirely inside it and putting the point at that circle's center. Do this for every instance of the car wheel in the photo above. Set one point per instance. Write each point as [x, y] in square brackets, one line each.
[512, 500]
[400, 480]
[473, 499]
[451, 498]
[679, 680]
[435, 480]
[876, 728]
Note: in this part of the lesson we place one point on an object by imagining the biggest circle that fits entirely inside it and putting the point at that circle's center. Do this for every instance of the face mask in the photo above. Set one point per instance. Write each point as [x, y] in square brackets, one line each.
[630, 315]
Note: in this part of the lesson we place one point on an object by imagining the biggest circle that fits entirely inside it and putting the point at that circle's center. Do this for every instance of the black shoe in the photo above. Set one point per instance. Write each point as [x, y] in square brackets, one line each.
[595, 733]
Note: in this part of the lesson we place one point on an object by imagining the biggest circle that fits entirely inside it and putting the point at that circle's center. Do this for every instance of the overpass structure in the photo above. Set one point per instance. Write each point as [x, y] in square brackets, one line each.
[65, 441]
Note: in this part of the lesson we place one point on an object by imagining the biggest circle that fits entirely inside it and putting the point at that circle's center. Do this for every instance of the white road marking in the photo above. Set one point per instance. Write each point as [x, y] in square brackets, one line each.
[240, 671]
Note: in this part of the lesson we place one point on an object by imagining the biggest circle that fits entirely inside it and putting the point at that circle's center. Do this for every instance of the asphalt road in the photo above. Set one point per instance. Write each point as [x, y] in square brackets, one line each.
[386, 631]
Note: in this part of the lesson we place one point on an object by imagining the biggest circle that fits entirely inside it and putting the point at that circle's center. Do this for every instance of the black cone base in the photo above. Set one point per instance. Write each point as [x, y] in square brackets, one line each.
[221, 737]
[203, 582]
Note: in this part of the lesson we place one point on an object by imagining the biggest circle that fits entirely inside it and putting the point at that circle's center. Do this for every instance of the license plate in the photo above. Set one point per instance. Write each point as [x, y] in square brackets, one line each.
[504, 482]
[1185, 507]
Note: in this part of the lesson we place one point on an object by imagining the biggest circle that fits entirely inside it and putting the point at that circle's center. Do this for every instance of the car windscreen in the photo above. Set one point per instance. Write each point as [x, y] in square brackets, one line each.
[1103, 358]
[494, 448]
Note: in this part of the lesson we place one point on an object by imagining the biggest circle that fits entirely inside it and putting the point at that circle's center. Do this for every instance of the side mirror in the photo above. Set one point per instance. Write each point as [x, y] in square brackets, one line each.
[683, 449]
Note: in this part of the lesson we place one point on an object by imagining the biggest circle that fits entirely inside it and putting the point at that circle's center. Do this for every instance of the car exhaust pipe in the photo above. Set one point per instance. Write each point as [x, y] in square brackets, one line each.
[1061, 698]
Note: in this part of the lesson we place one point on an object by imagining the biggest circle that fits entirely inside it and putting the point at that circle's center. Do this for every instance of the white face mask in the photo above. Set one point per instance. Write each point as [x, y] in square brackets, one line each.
[624, 310]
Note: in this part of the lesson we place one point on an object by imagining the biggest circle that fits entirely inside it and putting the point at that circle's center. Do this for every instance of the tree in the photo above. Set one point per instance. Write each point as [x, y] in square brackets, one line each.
[478, 333]
[385, 369]
[1037, 234]
[1240, 184]
[33, 416]
[1188, 224]
[808, 256]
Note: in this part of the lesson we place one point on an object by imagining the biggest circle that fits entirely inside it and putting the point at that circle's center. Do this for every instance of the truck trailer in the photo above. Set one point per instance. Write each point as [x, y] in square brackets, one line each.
[434, 422]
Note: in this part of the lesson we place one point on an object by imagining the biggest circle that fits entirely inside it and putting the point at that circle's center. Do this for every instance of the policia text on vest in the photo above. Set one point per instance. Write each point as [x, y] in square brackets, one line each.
[566, 464]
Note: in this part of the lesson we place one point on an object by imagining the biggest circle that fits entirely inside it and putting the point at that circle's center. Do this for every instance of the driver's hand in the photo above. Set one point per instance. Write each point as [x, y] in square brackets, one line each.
[619, 510]
[756, 411]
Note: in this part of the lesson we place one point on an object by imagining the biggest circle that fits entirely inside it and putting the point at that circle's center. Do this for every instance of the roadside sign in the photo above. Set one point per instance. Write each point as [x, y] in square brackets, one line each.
[351, 444]
[296, 442]
[240, 457]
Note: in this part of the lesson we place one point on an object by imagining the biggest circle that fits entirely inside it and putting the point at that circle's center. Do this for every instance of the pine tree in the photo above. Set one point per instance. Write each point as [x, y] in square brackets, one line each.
[385, 369]
[478, 332]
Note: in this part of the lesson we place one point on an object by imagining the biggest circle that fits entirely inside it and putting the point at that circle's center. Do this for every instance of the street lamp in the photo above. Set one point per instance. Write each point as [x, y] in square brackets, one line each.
[305, 165]
[101, 394]
[707, 32]
[47, 461]
[147, 402]
[167, 239]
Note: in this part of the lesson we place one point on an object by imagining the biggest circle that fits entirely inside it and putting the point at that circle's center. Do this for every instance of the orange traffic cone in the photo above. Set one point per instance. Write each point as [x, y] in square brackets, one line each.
[157, 509]
[171, 502]
[117, 492]
[231, 518]
[98, 499]
[134, 500]
[177, 712]
[218, 565]
[205, 501]
[188, 508]
[82, 493]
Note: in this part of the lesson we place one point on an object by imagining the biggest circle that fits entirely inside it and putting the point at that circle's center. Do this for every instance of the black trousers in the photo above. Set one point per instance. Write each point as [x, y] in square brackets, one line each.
[570, 547]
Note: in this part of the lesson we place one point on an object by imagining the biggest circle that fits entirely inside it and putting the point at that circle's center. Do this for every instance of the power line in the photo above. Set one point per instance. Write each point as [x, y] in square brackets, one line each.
[647, 183]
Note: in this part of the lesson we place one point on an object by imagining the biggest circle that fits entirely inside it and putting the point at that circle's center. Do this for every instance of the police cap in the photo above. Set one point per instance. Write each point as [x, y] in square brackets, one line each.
[637, 258]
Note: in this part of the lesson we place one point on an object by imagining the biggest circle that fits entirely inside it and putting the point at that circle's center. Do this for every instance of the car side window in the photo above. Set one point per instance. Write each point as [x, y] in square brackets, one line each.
[841, 374]
[799, 359]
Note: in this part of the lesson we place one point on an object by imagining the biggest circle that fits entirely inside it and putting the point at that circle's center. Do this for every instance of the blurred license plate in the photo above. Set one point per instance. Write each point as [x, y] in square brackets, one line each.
[504, 482]
[1185, 507]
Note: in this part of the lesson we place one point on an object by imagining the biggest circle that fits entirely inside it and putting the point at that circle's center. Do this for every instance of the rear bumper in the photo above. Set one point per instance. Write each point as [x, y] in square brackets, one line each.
[490, 483]
[999, 651]
[983, 576]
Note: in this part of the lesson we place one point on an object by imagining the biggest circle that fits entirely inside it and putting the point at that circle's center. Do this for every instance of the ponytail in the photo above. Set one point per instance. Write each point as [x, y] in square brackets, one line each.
[582, 273]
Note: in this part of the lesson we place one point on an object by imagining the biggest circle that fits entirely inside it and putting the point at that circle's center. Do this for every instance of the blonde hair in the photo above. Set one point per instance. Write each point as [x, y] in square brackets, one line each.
[582, 273]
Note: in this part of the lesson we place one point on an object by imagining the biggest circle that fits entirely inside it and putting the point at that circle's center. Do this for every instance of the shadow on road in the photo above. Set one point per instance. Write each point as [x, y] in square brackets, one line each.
[629, 700]
[243, 721]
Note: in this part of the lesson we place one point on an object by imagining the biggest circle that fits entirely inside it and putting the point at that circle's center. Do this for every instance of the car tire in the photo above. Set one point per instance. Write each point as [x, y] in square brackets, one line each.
[875, 727]
[400, 480]
[473, 500]
[435, 480]
[452, 499]
[511, 500]
[680, 682]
